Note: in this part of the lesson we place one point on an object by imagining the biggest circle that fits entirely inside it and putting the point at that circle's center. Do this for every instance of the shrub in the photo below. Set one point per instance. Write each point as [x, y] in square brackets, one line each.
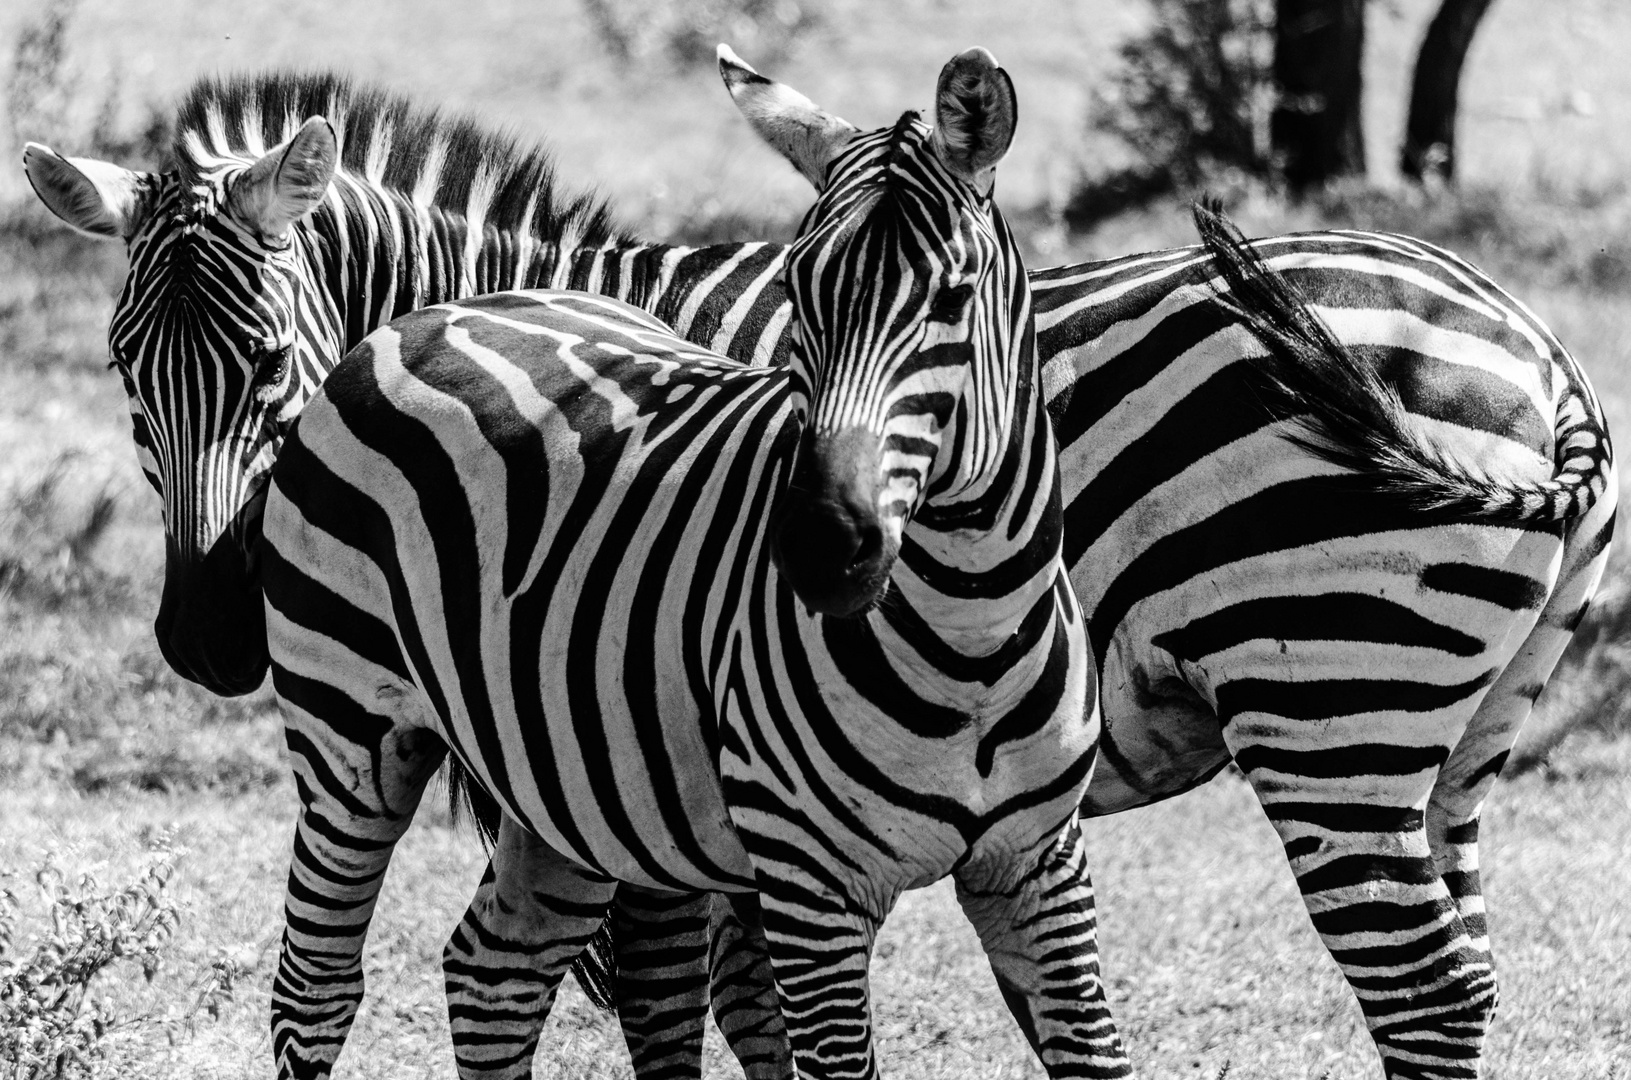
[1191, 100]
[50, 1025]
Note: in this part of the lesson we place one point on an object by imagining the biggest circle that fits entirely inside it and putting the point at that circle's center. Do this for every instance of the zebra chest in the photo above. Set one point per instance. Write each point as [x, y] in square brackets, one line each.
[897, 762]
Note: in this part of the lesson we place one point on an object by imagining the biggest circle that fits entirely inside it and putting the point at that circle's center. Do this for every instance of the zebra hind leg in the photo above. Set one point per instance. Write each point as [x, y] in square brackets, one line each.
[357, 799]
[1353, 824]
[1040, 934]
[1457, 801]
[744, 989]
[661, 944]
[669, 947]
[533, 913]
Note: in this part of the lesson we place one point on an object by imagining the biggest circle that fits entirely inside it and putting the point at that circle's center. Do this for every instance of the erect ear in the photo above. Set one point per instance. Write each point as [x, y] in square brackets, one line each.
[785, 118]
[289, 181]
[974, 115]
[95, 197]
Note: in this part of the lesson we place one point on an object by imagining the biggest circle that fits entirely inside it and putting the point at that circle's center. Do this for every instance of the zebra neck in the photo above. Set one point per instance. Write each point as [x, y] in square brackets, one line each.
[639, 274]
[382, 255]
[974, 572]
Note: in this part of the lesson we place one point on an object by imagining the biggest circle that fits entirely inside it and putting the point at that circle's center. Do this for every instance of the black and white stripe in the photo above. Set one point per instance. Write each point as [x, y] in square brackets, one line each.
[1145, 377]
[540, 529]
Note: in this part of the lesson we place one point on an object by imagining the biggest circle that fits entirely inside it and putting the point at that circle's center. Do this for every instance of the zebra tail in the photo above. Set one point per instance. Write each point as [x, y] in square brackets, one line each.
[596, 966]
[1350, 417]
[465, 796]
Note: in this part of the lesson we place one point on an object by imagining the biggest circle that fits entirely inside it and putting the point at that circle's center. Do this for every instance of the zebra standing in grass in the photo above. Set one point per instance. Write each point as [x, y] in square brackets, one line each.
[274, 246]
[700, 625]
[1148, 380]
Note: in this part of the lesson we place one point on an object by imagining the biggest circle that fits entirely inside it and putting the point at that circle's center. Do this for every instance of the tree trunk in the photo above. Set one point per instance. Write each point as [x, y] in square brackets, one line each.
[1429, 138]
[1316, 129]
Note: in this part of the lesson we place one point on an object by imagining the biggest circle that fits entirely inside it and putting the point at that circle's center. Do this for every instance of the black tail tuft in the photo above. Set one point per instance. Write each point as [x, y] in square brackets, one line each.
[1348, 415]
[465, 796]
[596, 967]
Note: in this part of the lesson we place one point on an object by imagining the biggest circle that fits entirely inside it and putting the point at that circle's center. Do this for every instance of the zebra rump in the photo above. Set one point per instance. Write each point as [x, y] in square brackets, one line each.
[1352, 418]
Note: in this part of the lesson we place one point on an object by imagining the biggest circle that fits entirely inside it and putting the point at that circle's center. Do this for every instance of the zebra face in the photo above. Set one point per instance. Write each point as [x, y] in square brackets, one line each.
[220, 336]
[906, 291]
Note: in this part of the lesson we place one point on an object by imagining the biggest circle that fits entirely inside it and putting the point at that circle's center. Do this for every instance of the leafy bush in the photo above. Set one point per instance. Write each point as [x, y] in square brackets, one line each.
[50, 1025]
[1191, 100]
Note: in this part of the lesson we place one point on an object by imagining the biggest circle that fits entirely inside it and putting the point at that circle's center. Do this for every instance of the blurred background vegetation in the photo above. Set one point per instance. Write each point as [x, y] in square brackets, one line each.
[1295, 111]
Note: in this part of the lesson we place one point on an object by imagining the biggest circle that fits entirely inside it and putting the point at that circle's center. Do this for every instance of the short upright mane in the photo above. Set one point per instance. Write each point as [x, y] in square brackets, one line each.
[388, 140]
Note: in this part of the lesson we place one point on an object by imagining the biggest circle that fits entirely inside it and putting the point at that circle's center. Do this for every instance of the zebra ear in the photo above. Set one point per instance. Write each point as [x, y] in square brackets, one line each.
[975, 111]
[95, 197]
[785, 118]
[289, 181]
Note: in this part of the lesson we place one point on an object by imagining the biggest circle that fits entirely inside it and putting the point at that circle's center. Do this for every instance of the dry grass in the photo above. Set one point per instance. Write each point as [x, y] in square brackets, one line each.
[1209, 956]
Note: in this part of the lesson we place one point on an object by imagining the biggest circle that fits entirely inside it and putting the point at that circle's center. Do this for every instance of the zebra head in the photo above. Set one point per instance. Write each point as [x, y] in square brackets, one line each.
[910, 312]
[220, 335]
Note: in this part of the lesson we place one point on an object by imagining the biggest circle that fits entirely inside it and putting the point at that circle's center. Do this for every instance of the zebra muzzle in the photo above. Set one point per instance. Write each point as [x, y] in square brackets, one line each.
[828, 536]
[211, 625]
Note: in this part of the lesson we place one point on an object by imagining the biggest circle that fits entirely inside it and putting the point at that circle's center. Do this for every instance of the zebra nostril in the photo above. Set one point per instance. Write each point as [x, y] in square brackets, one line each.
[868, 541]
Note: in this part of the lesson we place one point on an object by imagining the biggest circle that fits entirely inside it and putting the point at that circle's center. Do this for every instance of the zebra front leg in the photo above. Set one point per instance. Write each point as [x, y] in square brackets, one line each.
[744, 988]
[820, 943]
[1352, 819]
[1040, 933]
[533, 913]
[359, 785]
[661, 944]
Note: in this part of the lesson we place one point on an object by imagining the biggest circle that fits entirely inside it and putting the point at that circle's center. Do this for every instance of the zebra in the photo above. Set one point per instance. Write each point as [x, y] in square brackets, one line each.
[270, 249]
[1142, 368]
[802, 630]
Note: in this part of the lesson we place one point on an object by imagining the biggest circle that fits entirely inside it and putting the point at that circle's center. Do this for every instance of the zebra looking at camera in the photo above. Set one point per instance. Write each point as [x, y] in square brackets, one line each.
[271, 247]
[702, 626]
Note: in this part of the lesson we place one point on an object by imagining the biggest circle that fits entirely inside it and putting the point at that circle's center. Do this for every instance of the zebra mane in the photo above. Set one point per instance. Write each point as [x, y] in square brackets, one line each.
[450, 161]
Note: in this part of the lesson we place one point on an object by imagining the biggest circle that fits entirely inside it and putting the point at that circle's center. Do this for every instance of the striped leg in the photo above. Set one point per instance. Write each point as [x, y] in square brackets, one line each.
[1465, 781]
[669, 947]
[357, 798]
[1041, 936]
[820, 943]
[1353, 822]
[744, 989]
[1457, 801]
[662, 979]
[533, 913]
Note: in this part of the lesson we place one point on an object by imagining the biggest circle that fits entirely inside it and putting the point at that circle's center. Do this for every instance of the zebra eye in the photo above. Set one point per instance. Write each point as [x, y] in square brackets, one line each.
[950, 302]
[272, 365]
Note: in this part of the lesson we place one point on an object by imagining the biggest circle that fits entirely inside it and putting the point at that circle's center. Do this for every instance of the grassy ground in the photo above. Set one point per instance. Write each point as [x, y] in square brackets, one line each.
[1209, 957]
[105, 756]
